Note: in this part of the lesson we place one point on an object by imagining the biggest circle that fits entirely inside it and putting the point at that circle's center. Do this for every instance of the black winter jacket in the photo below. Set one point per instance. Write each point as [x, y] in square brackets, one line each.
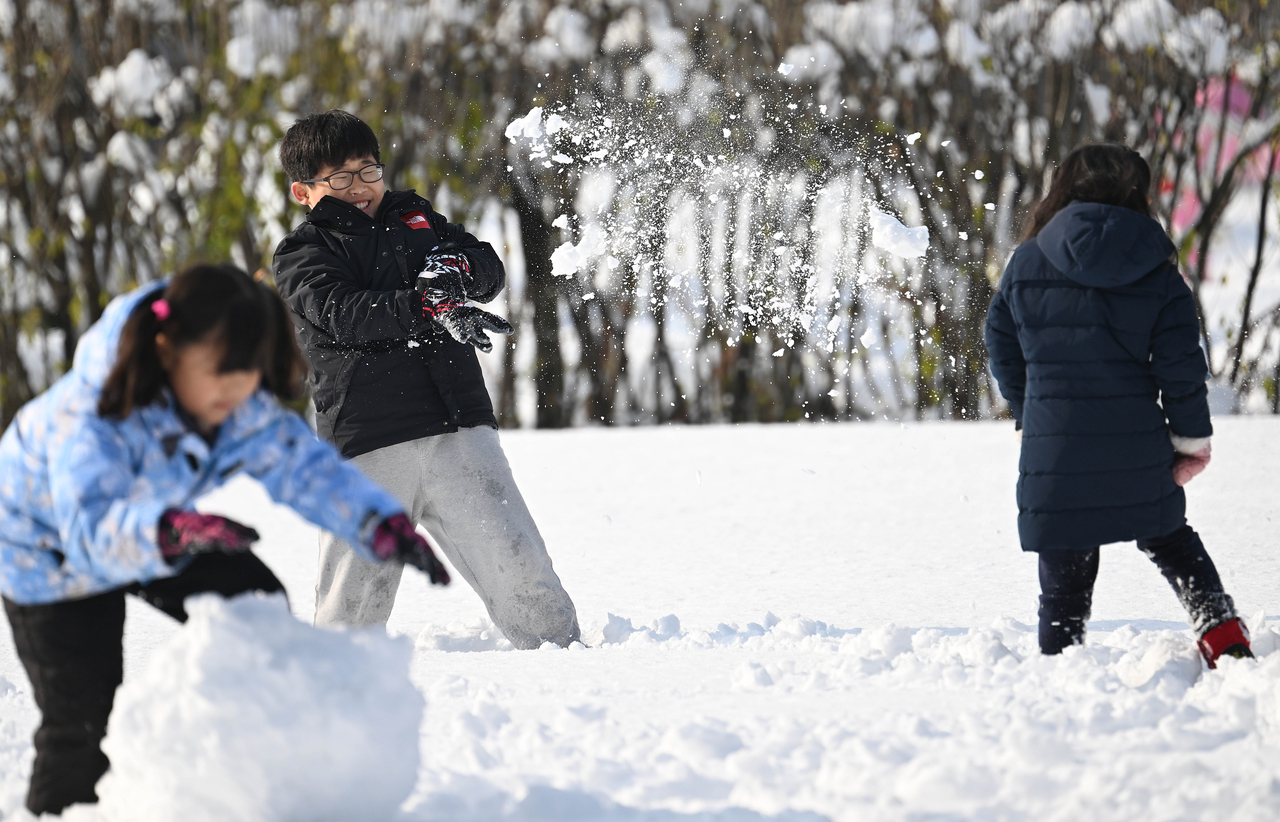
[1094, 341]
[381, 372]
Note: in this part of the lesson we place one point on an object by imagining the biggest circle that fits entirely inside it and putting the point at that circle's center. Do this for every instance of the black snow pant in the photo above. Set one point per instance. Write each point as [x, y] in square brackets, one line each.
[73, 653]
[1067, 577]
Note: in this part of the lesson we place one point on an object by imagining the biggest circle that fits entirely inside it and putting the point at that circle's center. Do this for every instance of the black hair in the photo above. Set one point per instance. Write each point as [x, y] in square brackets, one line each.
[206, 303]
[1100, 173]
[328, 139]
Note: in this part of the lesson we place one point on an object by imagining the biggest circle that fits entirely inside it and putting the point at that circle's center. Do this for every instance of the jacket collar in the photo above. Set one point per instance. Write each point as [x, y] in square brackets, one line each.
[338, 215]
[164, 422]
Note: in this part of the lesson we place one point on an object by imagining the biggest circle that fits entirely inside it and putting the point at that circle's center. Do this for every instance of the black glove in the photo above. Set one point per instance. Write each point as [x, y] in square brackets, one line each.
[467, 324]
[395, 538]
[444, 277]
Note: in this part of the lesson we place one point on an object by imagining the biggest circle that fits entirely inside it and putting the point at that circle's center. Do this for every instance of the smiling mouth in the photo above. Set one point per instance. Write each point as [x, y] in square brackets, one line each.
[362, 204]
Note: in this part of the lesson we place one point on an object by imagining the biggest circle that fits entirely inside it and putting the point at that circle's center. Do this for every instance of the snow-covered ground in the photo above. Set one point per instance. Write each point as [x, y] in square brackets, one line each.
[807, 622]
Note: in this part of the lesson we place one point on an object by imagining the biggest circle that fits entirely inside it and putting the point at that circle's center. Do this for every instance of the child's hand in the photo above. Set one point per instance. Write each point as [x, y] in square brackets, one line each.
[395, 538]
[1187, 466]
[467, 324]
[188, 532]
[444, 277]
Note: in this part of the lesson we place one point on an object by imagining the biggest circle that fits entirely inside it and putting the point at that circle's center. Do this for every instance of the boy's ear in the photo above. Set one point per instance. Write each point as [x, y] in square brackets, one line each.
[304, 194]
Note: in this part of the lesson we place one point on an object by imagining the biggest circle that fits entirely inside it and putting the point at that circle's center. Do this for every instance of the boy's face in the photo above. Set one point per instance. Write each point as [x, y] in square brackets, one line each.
[362, 195]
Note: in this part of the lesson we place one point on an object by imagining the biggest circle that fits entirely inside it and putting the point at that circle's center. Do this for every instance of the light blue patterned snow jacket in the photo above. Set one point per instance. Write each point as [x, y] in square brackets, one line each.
[81, 496]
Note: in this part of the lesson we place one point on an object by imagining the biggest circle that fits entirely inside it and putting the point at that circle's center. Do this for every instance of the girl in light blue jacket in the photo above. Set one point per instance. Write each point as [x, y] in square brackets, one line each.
[171, 394]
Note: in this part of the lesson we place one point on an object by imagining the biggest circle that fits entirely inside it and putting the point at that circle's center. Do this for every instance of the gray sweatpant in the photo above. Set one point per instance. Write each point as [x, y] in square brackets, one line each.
[459, 488]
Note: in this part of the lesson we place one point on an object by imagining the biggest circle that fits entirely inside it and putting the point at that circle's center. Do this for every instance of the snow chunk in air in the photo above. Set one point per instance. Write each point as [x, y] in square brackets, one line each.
[568, 259]
[897, 239]
[528, 126]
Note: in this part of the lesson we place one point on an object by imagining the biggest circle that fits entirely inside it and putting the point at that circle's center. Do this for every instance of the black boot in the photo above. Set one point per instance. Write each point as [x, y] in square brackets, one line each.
[1066, 580]
[1062, 620]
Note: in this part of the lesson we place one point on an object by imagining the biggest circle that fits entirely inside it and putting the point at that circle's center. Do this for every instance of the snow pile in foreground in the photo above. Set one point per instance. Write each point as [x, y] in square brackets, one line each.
[795, 720]
[249, 714]
[720, 715]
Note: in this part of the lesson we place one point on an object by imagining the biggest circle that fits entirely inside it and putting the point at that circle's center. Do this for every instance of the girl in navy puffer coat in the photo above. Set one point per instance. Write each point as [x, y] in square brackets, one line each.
[170, 396]
[1094, 341]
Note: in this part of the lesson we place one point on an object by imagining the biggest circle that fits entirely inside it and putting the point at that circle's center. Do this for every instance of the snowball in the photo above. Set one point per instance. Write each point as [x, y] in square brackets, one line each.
[568, 259]
[528, 126]
[867, 338]
[249, 714]
[892, 236]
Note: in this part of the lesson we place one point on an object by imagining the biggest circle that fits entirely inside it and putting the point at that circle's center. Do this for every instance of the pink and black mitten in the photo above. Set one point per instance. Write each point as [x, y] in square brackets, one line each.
[395, 538]
[188, 532]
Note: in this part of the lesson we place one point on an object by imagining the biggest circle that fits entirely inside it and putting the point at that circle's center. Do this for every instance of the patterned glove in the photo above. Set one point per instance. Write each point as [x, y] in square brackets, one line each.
[468, 324]
[444, 278]
[187, 532]
[395, 538]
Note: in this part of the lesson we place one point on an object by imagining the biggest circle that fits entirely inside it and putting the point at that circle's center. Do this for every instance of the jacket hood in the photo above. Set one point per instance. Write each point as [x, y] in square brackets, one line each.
[1104, 246]
[96, 350]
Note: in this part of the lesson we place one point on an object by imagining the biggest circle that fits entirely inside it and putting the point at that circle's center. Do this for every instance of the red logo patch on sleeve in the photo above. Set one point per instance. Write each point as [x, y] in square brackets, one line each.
[415, 219]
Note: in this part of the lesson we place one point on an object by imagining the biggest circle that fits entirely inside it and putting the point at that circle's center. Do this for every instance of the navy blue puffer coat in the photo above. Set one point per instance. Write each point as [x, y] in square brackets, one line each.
[1094, 341]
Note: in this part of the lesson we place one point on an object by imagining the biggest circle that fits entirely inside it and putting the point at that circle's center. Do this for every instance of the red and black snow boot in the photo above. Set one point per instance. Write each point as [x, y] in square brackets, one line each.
[1230, 638]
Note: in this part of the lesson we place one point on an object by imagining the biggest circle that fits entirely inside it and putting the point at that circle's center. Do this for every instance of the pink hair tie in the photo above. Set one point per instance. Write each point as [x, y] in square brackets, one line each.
[161, 309]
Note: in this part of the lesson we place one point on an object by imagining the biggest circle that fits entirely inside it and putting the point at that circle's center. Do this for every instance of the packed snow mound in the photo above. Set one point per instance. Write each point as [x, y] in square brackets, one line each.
[249, 714]
[892, 236]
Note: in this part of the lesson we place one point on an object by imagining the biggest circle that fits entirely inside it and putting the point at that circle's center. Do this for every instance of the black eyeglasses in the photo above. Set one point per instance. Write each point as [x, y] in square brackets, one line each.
[344, 179]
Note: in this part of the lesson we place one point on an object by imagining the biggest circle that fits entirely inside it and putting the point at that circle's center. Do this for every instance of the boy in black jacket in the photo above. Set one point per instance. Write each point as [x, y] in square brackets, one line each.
[378, 284]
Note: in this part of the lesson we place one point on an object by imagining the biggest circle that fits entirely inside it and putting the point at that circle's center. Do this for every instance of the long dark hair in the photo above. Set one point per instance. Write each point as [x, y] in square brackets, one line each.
[1101, 173]
[206, 303]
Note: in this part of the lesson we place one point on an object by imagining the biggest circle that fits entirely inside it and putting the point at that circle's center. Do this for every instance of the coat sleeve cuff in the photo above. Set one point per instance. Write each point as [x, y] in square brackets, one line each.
[1189, 445]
